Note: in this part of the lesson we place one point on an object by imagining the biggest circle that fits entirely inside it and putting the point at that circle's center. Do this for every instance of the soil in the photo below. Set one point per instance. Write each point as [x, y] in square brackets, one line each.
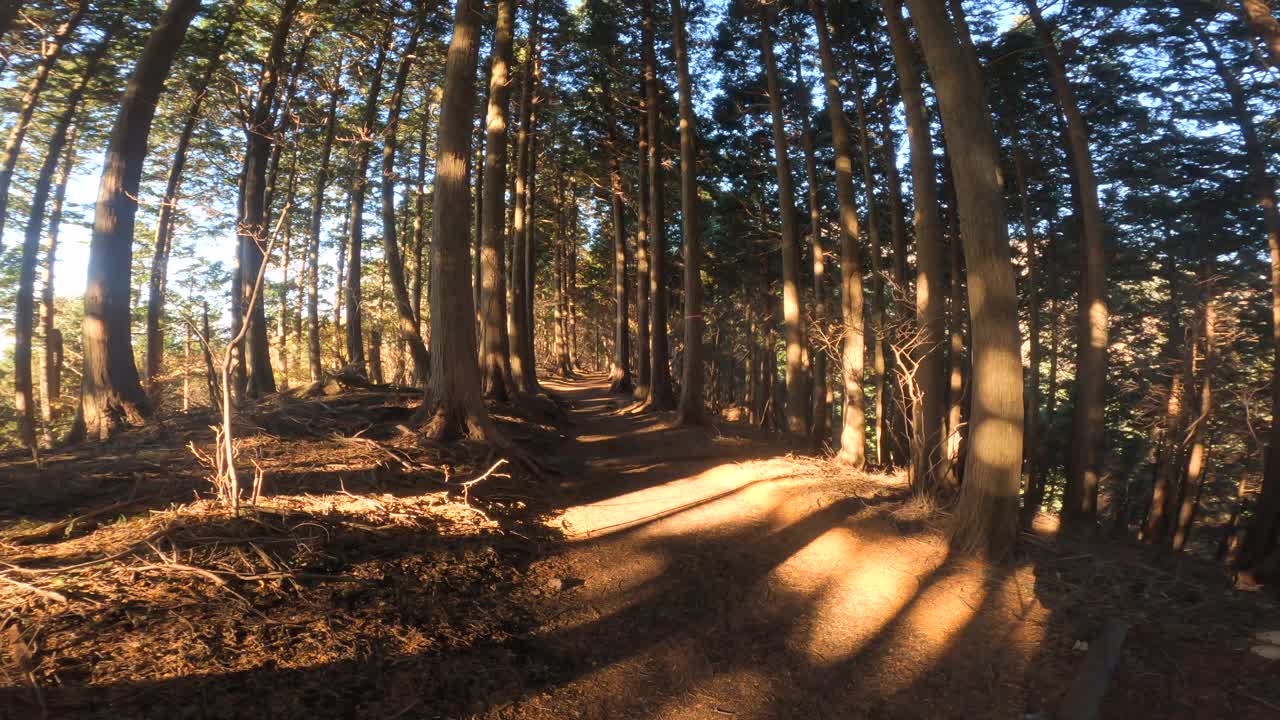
[662, 572]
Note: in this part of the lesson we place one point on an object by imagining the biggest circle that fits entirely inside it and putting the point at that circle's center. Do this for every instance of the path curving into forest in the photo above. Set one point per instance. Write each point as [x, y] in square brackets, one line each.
[711, 574]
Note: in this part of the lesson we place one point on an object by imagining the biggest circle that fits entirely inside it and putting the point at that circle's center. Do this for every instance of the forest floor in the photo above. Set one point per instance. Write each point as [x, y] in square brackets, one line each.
[661, 572]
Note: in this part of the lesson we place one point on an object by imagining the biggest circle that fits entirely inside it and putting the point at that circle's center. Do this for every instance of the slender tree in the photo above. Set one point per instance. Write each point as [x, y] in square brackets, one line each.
[792, 317]
[394, 264]
[1080, 503]
[317, 216]
[495, 366]
[660, 395]
[929, 252]
[853, 439]
[355, 227]
[692, 409]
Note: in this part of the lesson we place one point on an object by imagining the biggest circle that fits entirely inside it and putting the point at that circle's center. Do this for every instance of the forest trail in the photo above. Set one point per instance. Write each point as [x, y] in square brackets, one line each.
[712, 576]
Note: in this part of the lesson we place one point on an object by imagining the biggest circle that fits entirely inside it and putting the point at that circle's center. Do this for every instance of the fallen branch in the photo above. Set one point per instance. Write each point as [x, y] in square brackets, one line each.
[55, 596]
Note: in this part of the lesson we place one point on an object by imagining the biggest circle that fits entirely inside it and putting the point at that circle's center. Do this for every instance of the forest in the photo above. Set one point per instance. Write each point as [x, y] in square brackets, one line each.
[639, 358]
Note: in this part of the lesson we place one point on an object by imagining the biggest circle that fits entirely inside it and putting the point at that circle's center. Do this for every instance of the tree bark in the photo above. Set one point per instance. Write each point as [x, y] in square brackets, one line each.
[879, 352]
[643, 366]
[394, 263]
[453, 399]
[930, 311]
[50, 52]
[359, 184]
[166, 220]
[792, 317]
[495, 366]
[1080, 501]
[853, 437]
[692, 409]
[988, 510]
[661, 396]
[519, 330]
[111, 393]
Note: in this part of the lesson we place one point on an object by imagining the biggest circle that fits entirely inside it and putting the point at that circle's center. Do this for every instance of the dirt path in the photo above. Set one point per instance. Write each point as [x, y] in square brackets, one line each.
[719, 578]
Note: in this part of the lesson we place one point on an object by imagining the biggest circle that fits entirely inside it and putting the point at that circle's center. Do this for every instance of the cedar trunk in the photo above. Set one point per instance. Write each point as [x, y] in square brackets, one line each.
[111, 393]
[988, 509]
[692, 411]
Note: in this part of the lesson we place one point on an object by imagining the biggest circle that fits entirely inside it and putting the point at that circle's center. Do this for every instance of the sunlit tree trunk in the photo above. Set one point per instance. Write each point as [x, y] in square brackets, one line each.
[1080, 502]
[620, 379]
[988, 510]
[24, 321]
[879, 369]
[792, 318]
[930, 307]
[111, 393]
[1179, 354]
[643, 366]
[420, 233]
[51, 50]
[317, 216]
[661, 396]
[520, 331]
[165, 222]
[359, 184]
[1196, 458]
[495, 365]
[692, 409]
[853, 438]
[394, 262]
[286, 259]
[819, 424]
[453, 399]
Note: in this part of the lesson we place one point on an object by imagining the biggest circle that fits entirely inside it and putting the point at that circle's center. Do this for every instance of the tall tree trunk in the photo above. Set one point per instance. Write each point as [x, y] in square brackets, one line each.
[1080, 502]
[317, 216]
[1196, 460]
[1031, 439]
[420, 233]
[254, 232]
[792, 317]
[359, 184]
[111, 394]
[24, 321]
[339, 288]
[692, 409]
[53, 351]
[853, 433]
[1168, 448]
[50, 52]
[620, 380]
[819, 412]
[1264, 532]
[495, 365]
[394, 263]
[531, 235]
[661, 396]
[987, 515]
[1262, 20]
[519, 330]
[955, 373]
[168, 205]
[643, 365]
[453, 398]
[879, 351]
[286, 257]
[930, 309]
